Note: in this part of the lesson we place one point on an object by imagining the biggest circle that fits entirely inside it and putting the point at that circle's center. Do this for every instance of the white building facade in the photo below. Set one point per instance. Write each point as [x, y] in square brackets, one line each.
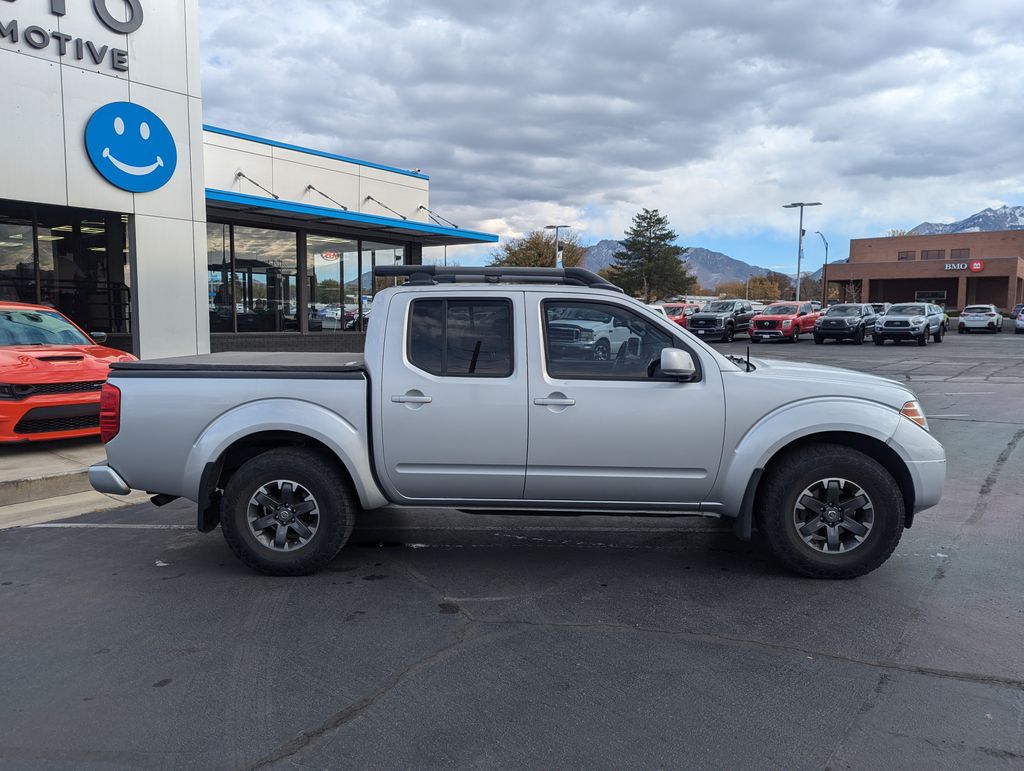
[119, 208]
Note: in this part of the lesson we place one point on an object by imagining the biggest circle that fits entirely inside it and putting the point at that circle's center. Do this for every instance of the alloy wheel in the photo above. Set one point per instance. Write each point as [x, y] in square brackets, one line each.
[833, 516]
[283, 515]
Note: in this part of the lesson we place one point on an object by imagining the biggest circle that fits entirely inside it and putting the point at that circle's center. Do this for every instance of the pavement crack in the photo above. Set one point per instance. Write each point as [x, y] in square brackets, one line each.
[981, 505]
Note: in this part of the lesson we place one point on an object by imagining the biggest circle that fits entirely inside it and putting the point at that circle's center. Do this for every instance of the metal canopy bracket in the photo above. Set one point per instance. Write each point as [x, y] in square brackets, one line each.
[436, 274]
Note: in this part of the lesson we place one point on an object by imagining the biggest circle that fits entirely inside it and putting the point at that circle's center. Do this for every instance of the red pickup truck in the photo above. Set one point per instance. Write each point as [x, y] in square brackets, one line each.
[783, 321]
[680, 312]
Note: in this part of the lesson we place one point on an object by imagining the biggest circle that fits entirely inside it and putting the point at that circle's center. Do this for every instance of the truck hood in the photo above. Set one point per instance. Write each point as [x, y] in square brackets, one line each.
[820, 380]
[595, 325]
[703, 315]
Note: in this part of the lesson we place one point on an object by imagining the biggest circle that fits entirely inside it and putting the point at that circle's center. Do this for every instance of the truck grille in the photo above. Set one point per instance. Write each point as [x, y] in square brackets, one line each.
[701, 323]
[48, 389]
[897, 323]
[767, 324]
[834, 323]
[564, 334]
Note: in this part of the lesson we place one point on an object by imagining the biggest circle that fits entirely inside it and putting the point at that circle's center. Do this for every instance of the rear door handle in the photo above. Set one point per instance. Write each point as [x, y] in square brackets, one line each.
[411, 399]
[551, 402]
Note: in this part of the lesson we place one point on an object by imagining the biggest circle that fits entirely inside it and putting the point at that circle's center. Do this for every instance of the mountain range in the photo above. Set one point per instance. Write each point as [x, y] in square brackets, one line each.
[710, 268]
[1003, 218]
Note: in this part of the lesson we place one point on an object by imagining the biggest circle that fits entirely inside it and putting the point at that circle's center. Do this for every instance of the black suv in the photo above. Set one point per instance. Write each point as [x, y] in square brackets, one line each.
[849, 321]
[721, 320]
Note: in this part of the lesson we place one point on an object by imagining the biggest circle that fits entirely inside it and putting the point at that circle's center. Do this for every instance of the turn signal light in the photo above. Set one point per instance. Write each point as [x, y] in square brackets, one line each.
[912, 411]
[110, 412]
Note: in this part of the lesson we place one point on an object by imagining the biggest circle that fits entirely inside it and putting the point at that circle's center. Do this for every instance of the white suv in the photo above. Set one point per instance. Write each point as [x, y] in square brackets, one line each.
[985, 317]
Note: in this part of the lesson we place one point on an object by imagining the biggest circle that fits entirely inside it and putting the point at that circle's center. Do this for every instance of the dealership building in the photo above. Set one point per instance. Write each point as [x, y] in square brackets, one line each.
[952, 270]
[119, 207]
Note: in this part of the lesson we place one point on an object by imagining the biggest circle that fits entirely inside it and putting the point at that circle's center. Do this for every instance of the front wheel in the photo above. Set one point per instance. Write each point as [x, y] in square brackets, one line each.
[858, 337]
[818, 339]
[922, 341]
[728, 334]
[938, 335]
[796, 337]
[878, 339]
[829, 511]
[287, 512]
[603, 350]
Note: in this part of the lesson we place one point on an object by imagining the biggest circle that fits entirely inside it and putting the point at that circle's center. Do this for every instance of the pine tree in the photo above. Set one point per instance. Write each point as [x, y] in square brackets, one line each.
[649, 264]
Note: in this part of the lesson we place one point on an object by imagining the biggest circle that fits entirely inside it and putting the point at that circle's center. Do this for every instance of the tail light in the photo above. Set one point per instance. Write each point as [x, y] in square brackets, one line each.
[110, 412]
[991, 315]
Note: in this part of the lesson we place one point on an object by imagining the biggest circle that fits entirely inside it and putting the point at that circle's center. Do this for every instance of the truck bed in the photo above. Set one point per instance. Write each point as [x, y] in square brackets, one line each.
[246, 361]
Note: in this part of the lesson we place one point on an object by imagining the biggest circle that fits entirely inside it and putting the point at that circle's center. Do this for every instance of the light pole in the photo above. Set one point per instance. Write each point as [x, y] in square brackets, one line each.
[800, 242]
[824, 272]
[556, 228]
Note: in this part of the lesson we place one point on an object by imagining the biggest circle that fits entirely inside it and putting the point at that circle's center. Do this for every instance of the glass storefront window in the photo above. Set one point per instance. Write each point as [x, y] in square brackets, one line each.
[17, 260]
[218, 278]
[332, 269]
[375, 254]
[266, 263]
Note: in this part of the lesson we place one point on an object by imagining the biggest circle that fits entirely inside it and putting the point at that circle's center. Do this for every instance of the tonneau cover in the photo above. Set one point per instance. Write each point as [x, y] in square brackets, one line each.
[245, 361]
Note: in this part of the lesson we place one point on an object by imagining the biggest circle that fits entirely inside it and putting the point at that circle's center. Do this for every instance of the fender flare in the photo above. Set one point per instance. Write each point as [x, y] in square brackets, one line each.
[204, 461]
[736, 488]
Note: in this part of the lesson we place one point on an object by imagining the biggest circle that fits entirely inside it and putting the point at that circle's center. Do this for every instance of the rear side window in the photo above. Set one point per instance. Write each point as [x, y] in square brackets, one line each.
[461, 338]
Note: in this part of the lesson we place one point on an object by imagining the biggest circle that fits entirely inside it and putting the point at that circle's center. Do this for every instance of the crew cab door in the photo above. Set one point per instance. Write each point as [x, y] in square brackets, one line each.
[617, 431]
[452, 397]
[744, 313]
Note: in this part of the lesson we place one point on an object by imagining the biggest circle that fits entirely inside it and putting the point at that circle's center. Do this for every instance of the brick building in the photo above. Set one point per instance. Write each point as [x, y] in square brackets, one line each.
[952, 270]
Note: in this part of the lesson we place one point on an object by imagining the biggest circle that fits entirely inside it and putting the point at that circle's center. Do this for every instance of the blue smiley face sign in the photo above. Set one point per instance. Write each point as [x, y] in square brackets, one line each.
[130, 147]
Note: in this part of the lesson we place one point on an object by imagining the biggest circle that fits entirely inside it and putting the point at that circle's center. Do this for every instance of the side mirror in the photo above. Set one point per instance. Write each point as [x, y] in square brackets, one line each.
[677, 363]
[98, 337]
[803, 313]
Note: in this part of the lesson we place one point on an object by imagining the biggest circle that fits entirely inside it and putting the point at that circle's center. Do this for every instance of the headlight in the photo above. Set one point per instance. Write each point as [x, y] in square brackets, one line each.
[851, 321]
[587, 335]
[917, 320]
[787, 323]
[9, 391]
[719, 322]
[912, 411]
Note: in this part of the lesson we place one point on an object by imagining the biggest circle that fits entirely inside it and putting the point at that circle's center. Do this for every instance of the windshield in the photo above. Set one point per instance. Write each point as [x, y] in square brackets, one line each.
[38, 328]
[675, 311]
[780, 310]
[719, 307]
[907, 310]
[844, 310]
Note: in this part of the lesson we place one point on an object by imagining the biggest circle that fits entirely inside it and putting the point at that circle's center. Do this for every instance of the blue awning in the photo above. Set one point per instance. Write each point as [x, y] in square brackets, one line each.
[306, 215]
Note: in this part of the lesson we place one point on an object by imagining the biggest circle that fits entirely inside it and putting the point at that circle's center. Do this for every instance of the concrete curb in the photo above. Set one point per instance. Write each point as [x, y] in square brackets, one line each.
[38, 488]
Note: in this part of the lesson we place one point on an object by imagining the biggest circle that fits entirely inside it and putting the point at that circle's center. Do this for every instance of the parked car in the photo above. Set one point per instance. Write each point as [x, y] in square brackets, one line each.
[846, 321]
[1015, 313]
[680, 312]
[659, 309]
[1018, 324]
[471, 407]
[881, 308]
[590, 332]
[722, 320]
[911, 321]
[815, 306]
[51, 373]
[984, 317]
[783, 321]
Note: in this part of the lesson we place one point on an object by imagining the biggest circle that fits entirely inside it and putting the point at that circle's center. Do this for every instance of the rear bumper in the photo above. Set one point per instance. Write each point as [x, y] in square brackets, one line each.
[105, 480]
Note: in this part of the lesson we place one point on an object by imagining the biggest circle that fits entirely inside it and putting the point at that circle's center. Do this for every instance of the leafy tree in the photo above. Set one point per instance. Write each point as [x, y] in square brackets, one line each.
[649, 264]
[537, 250]
[732, 288]
[328, 291]
[896, 232]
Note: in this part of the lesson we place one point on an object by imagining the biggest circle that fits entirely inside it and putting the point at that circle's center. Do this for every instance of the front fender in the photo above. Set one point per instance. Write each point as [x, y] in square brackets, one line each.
[294, 416]
[788, 424]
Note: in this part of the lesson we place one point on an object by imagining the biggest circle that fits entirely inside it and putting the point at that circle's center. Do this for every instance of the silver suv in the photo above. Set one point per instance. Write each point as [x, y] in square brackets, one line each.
[911, 321]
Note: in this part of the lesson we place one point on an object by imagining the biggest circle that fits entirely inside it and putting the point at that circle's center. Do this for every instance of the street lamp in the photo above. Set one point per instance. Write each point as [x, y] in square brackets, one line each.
[556, 228]
[824, 272]
[800, 242]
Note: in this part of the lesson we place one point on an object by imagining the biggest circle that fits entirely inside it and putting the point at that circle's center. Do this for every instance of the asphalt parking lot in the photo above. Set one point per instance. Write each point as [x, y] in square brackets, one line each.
[444, 639]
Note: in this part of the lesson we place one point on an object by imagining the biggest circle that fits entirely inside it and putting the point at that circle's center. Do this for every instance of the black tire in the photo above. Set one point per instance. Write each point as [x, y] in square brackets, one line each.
[795, 338]
[858, 336]
[938, 335]
[819, 340]
[960, 330]
[788, 477]
[603, 350]
[729, 333]
[755, 340]
[922, 340]
[878, 340]
[328, 488]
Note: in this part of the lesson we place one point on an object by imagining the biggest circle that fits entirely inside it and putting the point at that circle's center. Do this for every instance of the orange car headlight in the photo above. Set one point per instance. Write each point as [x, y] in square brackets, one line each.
[912, 411]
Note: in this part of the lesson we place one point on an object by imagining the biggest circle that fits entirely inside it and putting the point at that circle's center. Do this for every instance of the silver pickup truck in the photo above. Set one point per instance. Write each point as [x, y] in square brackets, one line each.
[478, 391]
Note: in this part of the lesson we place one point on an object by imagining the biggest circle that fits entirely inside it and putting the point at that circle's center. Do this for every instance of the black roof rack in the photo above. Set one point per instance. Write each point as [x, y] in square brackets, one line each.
[436, 274]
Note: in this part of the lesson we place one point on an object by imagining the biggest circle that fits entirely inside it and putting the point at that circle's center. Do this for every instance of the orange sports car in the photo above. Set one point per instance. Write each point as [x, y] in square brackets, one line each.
[51, 373]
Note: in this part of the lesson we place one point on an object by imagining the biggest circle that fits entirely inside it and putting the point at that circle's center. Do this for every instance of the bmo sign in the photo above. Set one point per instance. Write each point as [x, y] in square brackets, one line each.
[974, 266]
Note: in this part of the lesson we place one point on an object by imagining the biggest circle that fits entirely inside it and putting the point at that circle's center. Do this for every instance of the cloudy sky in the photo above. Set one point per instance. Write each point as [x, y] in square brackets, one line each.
[717, 112]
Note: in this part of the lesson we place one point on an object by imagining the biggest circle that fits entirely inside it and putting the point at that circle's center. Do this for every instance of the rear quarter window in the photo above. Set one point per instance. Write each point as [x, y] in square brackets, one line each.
[461, 338]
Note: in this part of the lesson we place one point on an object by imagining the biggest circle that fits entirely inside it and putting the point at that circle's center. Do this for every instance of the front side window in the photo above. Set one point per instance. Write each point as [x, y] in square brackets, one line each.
[591, 340]
[461, 338]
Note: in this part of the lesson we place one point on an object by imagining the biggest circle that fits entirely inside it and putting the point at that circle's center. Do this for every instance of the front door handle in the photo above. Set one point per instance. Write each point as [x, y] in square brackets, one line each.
[553, 402]
[411, 399]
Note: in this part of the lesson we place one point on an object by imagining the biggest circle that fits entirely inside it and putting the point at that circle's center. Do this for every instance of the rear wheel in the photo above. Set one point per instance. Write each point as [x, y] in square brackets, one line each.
[287, 512]
[829, 511]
